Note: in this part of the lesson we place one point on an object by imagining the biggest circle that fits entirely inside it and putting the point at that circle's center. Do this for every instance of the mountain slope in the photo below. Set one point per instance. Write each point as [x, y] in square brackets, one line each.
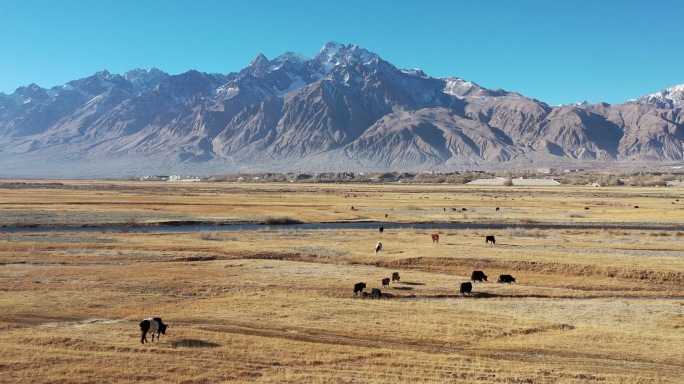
[346, 109]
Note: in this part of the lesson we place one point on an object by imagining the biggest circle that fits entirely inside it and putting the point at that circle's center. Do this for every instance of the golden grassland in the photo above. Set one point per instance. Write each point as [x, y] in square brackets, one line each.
[602, 301]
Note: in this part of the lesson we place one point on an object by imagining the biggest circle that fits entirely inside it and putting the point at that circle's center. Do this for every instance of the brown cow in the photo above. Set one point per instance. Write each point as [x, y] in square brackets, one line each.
[435, 237]
[395, 276]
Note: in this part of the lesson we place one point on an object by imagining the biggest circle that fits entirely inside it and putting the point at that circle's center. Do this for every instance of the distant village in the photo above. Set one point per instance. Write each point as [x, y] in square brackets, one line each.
[673, 176]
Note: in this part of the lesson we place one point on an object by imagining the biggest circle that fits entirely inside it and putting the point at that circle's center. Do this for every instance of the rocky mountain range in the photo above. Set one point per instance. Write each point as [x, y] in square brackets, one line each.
[346, 109]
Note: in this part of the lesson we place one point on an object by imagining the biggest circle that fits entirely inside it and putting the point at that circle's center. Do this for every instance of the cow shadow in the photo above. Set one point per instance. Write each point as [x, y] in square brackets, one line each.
[485, 295]
[403, 288]
[383, 295]
[410, 283]
[194, 343]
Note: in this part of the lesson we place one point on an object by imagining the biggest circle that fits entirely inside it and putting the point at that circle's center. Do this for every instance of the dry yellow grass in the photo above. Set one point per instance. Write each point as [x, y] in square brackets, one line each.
[276, 305]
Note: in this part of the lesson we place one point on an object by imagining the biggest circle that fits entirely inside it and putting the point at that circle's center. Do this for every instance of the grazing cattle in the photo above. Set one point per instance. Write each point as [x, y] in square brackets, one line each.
[386, 215]
[378, 247]
[395, 276]
[359, 287]
[478, 276]
[385, 282]
[466, 288]
[381, 229]
[435, 237]
[497, 209]
[152, 325]
[464, 210]
[376, 293]
[454, 209]
[352, 208]
[490, 239]
[636, 206]
[506, 279]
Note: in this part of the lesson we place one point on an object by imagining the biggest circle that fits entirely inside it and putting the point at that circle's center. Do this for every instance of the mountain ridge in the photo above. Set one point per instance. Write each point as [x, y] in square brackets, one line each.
[346, 109]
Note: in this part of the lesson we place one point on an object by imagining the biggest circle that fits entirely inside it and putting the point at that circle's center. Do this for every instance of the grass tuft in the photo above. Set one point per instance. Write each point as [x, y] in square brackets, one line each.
[281, 221]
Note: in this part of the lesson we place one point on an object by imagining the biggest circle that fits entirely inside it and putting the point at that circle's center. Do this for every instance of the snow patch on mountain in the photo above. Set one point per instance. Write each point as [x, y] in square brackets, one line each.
[297, 82]
[414, 72]
[459, 87]
[579, 103]
[227, 91]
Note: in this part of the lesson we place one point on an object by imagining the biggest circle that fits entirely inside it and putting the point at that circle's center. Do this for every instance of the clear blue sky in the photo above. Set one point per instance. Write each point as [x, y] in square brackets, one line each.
[553, 50]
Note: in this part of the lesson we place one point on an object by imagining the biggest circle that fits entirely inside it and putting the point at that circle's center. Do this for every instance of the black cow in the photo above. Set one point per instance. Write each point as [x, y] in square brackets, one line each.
[381, 229]
[376, 293]
[385, 282]
[506, 279]
[497, 209]
[152, 325]
[395, 276]
[359, 287]
[490, 239]
[478, 276]
[466, 288]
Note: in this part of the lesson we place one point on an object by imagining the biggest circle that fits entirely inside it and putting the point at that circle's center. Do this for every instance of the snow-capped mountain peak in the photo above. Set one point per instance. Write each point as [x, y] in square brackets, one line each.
[675, 95]
[259, 61]
[296, 59]
[459, 87]
[291, 57]
[333, 54]
[145, 78]
[330, 49]
[672, 97]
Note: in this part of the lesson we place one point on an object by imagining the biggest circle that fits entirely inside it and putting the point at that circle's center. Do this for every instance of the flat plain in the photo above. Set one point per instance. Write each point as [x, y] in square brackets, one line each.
[598, 297]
